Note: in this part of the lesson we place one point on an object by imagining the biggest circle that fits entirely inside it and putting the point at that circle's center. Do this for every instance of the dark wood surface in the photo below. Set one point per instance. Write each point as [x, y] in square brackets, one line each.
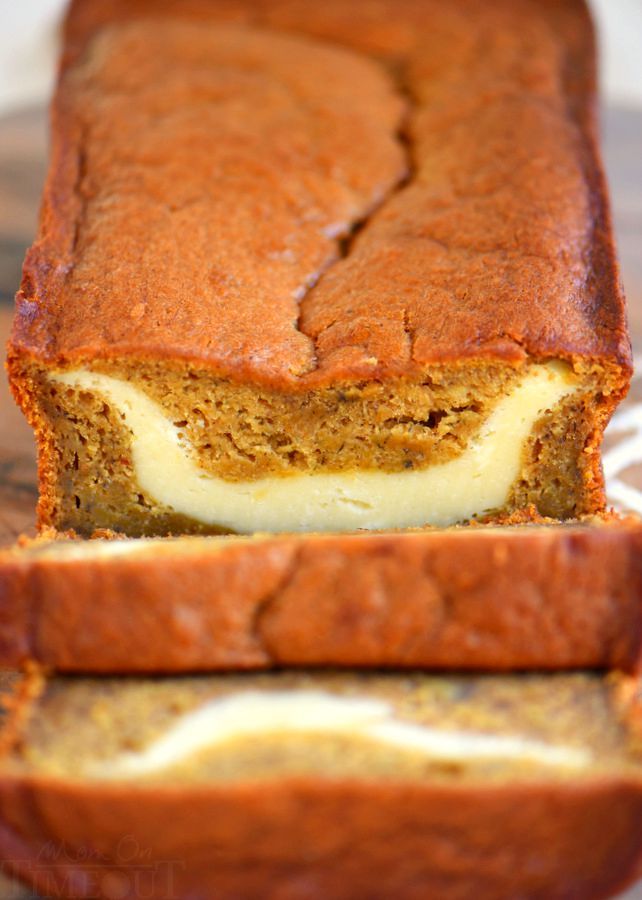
[22, 163]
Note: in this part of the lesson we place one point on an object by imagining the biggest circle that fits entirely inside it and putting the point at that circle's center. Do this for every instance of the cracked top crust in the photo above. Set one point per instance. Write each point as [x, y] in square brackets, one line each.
[296, 196]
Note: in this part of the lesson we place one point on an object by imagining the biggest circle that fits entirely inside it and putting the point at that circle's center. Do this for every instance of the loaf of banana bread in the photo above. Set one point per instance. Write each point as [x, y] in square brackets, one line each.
[320, 268]
[538, 596]
[314, 786]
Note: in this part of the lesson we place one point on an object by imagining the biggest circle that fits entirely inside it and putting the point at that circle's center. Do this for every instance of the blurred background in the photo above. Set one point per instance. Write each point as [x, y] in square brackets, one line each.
[28, 48]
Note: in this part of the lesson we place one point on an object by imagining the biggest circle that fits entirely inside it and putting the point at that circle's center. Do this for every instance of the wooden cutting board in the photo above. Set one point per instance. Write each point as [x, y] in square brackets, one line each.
[22, 164]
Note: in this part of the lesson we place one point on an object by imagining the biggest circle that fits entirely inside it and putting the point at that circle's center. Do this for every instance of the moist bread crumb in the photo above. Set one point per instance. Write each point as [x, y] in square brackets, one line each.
[82, 723]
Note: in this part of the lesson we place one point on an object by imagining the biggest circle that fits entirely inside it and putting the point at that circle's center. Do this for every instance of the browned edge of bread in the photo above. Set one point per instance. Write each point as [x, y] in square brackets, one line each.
[478, 598]
[308, 839]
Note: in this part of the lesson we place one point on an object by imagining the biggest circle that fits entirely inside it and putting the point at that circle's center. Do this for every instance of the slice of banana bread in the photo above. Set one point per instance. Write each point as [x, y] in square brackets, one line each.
[537, 596]
[314, 786]
[328, 269]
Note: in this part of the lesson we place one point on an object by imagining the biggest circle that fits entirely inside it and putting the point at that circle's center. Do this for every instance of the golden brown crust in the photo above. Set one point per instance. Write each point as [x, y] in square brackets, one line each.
[532, 597]
[499, 245]
[308, 839]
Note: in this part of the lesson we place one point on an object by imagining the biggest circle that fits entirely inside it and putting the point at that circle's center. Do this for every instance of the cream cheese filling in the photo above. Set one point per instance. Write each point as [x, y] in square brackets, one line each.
[251, 714]
[478, 480]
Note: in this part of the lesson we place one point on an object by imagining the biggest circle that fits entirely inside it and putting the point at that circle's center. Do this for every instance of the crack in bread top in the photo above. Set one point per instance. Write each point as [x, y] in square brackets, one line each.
[204, 175]
[220, 168]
